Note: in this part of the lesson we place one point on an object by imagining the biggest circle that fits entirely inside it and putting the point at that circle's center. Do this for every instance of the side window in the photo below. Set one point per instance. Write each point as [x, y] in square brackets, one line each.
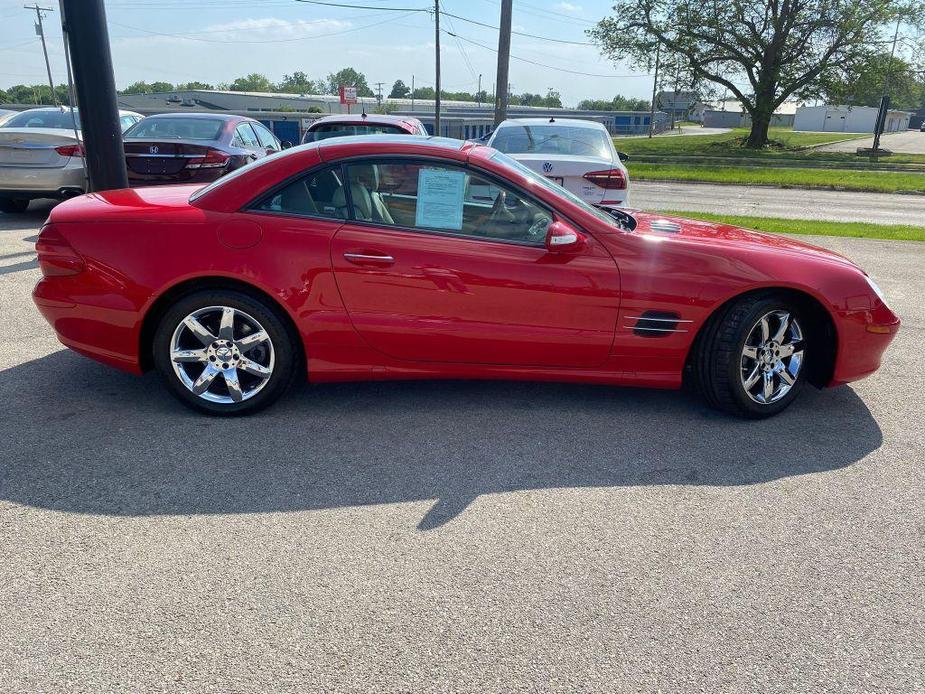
[267, 139]
[320, 194]
[246, 133]
[439, 198]
[127, 122]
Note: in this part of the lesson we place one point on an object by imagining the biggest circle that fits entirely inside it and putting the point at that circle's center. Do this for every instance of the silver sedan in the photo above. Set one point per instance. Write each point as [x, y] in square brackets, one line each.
[41, 155]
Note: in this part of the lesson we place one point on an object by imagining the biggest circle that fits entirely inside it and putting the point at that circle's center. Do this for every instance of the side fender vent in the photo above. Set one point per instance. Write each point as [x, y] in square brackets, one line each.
[657, 324]
[665, 225]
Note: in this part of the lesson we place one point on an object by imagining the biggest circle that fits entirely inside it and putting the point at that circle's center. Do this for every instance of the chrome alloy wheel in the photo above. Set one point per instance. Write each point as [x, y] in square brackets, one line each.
[222, 354]
[772, 357]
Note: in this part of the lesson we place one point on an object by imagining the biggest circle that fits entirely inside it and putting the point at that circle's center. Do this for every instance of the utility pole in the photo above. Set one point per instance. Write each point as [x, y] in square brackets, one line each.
[412, 92]
[504, 61]
[478, 94]
[40, 30]
[658, 55]
[84, 26]
[379, 94]
[885, 99]
[437, 70]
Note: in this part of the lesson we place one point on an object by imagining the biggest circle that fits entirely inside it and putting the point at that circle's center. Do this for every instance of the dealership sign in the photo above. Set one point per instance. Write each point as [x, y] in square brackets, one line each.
[348, 95]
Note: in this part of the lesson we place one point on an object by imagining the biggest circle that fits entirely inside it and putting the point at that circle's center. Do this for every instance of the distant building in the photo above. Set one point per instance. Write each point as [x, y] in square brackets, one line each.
[731, 114]
[288, 115]
[676, 104]
[847, 119]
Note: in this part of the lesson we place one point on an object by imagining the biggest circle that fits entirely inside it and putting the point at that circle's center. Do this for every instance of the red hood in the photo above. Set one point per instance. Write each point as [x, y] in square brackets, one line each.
[727, 234]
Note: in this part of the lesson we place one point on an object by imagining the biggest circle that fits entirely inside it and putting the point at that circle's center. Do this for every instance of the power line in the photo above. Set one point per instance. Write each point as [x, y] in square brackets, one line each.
[538, 64]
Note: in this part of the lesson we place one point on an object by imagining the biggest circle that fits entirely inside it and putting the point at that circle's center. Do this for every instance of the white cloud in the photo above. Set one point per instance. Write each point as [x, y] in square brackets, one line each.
[272, 27]
[568, 7]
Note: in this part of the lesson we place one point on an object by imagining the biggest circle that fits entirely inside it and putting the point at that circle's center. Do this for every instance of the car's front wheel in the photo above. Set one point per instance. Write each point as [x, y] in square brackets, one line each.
[224, 352]
[13, 205]
[751, 358]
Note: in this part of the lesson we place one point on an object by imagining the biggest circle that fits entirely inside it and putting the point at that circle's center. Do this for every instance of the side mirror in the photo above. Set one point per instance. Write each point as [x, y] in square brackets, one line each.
[623, 156]
[562, 238]
[285, 144]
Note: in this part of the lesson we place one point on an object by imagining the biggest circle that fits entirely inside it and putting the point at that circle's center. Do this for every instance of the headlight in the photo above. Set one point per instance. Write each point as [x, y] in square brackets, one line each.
[876, 288]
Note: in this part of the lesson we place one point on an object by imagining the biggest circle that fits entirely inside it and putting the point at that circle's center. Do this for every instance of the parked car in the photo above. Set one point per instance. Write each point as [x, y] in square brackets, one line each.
[577, 154]
[193, 147]
[41, 157]
[380, 257]
[362, 124]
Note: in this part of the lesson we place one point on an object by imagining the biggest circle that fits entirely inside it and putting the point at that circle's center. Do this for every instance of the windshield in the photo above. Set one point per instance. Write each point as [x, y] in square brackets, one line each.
[60, 120]
[323, 132]
[518, 138]
[555, 188]
[176, 129]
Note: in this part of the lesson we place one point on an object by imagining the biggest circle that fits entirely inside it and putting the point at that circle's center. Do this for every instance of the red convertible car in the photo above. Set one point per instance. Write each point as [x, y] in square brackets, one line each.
[384, 257]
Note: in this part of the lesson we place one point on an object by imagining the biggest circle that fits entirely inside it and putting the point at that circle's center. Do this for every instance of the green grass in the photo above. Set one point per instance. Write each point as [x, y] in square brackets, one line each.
[776, 225]
[833, 179]
[787, 145]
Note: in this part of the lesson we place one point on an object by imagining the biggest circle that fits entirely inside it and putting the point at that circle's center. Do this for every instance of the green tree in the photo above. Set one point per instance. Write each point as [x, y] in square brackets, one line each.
[254, 82]
[348, 77]
[400, 90]
[862, 84]
[762, 51]
[145, 88]
[190, 86]
[618, 103]
[300, 83]
[38, 94]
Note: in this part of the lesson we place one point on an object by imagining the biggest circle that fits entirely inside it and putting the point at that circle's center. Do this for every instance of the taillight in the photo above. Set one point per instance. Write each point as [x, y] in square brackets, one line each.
[70, 150]
[213, 159]
[612, 179]
[56, 256]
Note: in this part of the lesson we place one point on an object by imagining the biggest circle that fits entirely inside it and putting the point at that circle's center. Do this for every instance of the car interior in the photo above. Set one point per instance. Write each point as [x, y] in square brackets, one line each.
[388, 194]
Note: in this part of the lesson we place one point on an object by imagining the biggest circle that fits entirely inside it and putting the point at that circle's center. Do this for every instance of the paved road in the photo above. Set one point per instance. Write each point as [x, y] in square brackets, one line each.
[459, 536]
[907, 142]
[883, 208]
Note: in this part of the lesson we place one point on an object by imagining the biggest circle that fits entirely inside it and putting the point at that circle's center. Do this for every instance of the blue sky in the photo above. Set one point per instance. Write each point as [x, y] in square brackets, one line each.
[218, 40]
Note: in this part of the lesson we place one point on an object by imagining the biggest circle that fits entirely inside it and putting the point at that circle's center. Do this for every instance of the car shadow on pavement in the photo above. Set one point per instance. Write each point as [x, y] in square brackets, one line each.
[33, 218]
[84, 438]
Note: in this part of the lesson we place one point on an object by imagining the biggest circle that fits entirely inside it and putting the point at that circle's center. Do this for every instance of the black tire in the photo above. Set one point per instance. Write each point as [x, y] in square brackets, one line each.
[13, 205]
[718, 356]
[286, 356]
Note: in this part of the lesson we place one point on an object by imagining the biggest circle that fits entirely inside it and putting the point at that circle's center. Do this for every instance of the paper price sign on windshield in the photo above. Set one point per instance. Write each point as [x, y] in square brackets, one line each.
[440, 199]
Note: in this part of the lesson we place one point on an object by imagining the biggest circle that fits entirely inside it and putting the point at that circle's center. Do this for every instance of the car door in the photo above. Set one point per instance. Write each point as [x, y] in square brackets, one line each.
[248, 140]
[268, 140]
[437, 263]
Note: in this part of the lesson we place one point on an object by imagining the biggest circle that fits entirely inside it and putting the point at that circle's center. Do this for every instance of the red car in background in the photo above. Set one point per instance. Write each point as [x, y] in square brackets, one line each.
[363, 124]
[193, 147]
[383, 257]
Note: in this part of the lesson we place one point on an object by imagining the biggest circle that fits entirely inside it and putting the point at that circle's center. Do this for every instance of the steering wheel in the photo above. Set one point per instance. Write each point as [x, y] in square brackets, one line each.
[537, 230]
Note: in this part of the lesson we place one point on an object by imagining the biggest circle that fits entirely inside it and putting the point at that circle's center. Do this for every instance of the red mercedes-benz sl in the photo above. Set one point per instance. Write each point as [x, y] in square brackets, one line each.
[384, 257]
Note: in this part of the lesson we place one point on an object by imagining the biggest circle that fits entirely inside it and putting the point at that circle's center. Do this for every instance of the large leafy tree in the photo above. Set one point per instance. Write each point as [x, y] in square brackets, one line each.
[254, 82]
[862, 84]
[300, 83]
[400, 90]
[193, 86]
[762, 51]
[349, 78]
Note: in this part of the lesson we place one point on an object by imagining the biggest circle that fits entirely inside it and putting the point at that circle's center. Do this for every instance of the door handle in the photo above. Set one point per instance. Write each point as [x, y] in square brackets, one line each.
[368, 259]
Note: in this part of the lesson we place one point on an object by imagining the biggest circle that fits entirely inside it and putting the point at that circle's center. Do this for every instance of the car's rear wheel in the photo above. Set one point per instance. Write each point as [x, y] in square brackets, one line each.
[13, 205]
[751, 358]
[224, 352]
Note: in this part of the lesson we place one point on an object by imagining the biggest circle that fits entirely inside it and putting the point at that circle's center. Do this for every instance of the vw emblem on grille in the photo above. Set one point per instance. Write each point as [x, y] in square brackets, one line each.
[547, 167]
[153, 149]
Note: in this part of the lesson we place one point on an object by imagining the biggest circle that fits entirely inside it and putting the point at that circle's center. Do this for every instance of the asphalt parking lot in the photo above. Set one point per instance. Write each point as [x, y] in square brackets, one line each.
[457, 536]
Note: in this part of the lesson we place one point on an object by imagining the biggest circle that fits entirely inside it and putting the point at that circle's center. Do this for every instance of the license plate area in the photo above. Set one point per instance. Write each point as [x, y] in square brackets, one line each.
[557, 179]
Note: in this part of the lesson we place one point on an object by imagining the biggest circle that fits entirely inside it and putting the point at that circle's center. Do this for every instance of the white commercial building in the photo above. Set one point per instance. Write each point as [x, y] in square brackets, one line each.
[847, 119]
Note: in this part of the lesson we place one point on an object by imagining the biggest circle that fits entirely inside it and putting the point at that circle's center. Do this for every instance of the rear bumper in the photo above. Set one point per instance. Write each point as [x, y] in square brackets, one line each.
[101, 326]
[39, 182]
